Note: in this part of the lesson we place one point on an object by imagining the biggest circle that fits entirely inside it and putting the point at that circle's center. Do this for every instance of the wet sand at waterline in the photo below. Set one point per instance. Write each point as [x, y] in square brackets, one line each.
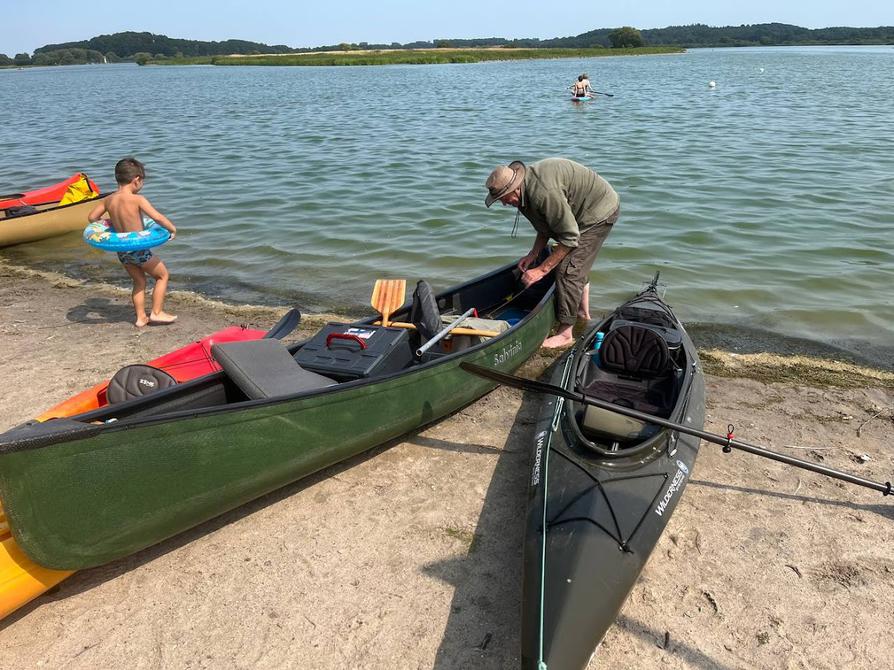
[410, 555]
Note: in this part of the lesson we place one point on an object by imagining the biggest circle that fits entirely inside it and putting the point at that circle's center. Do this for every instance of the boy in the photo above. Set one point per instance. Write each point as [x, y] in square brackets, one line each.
[124, 209]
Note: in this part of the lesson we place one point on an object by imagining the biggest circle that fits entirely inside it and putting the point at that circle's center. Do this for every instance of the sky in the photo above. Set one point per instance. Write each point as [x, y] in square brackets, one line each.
[29, 24]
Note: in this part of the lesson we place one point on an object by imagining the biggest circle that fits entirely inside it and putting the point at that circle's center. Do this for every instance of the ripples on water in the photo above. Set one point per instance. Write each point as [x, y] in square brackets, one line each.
[766, 202]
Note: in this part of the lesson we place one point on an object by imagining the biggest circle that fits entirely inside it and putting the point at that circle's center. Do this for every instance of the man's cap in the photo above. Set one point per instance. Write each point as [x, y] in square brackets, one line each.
[504, 180]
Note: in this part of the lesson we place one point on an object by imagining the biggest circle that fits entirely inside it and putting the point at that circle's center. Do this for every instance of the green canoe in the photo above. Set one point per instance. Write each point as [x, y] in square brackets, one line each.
[89, 489]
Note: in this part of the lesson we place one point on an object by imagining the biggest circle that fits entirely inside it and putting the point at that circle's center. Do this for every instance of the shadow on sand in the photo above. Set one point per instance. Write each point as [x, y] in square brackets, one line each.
[883, 510]
[100, 310]
[484, 625]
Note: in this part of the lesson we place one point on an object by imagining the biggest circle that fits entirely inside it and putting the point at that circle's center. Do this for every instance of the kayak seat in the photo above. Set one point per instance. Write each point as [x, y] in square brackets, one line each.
[635, 351]
[265, 369]
[635, 371]
[135, 381]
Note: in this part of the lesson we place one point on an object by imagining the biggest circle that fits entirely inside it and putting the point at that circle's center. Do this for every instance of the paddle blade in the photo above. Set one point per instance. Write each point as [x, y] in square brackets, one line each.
[387, 296]
[285, 325]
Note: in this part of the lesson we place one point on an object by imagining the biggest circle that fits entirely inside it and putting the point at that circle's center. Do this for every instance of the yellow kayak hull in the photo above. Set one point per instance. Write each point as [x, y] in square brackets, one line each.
[49, 221]
[21, 579]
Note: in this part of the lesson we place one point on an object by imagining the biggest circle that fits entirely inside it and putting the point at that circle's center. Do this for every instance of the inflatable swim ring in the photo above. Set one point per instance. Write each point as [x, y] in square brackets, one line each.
[101, 235]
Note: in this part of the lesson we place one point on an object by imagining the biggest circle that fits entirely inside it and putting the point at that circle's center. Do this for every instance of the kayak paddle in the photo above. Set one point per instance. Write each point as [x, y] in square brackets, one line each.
[728, 443]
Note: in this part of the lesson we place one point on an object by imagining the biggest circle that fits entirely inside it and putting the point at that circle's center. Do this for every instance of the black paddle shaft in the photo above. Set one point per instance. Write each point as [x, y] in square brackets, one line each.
[727, 442]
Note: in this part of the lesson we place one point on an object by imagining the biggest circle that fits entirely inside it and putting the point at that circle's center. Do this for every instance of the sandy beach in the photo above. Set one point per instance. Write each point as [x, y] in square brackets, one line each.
[410, 555]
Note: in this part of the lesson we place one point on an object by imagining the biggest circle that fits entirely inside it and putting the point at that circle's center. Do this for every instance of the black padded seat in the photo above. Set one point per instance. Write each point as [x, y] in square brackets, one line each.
[634, 351]
[135, 381]
[265, 368]
[635, 363]
[424, 312]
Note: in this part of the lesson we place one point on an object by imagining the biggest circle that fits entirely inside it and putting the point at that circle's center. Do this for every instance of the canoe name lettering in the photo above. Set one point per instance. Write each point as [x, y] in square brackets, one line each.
[535, 475]
[676, 485]
[508, 352]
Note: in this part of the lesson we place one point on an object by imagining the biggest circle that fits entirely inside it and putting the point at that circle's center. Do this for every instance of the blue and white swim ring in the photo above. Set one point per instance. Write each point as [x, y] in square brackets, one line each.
[101, 235]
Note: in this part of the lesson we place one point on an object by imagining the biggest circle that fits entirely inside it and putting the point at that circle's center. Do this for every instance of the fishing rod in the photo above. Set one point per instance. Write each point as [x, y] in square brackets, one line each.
[728, 443]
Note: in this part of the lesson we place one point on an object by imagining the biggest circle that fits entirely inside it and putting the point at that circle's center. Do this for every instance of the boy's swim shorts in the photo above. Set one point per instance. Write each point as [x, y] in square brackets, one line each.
[134, 257]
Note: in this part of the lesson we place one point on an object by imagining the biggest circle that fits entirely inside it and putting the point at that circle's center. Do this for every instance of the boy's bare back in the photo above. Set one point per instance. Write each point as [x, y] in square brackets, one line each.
[125, 211]
[126, 207]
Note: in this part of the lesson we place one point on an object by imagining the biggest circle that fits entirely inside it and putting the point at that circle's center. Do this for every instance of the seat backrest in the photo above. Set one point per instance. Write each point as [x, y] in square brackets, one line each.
[634, 351]
[424, 312]
[135, 381]
[265, 368]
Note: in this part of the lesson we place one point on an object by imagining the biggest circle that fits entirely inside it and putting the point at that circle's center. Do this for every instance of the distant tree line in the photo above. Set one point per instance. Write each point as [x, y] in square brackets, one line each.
[765, 34]
[696, 35]
[143, 47]
[127, 44]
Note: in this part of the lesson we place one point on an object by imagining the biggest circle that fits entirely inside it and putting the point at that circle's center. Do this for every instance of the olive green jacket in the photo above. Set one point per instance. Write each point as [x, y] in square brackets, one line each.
[562, 198]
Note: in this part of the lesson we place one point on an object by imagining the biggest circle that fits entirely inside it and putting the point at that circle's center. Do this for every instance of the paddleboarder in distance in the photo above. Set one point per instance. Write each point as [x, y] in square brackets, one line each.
[581, 87]
[571, 204]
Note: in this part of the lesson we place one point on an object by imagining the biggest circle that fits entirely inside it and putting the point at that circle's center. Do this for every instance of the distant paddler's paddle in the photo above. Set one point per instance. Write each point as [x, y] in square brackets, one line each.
[608, 95]
[728, 443]
[388, 295]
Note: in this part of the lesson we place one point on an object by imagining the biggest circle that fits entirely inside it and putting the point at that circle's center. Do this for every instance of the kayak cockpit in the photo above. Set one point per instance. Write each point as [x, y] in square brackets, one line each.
[640, 363]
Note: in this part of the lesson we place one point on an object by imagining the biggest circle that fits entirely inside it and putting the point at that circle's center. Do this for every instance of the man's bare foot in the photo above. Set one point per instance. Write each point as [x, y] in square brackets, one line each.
[141, 323]
[558, 341]
[161, 319]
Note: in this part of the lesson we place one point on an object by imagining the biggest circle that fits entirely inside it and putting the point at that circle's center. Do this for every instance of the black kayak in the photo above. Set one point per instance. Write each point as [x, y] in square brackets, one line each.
[603, 485]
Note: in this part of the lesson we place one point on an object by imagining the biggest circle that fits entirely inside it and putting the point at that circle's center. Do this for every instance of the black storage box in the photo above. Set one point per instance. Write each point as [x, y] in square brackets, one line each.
[344, 351]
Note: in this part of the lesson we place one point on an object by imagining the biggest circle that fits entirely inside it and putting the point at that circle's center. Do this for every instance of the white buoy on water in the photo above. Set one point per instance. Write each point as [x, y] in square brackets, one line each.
[712, 84]
[762, 69]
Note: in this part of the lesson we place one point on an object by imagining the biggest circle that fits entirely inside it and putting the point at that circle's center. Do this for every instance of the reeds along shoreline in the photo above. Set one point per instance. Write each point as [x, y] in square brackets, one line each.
[411, 56]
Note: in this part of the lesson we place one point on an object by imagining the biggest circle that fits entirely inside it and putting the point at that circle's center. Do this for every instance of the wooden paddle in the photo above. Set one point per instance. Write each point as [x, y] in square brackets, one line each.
[387, 296]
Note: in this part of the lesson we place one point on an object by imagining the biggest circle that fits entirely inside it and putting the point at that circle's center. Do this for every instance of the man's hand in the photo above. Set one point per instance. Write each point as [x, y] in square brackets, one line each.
[525, 262]
[533, 276]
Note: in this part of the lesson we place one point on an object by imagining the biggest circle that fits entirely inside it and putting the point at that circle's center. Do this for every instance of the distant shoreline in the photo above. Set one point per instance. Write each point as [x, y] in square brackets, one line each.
[412, 56]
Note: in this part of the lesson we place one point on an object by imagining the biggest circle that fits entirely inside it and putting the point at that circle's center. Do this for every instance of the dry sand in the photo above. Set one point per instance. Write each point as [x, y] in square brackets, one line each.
[409, 556]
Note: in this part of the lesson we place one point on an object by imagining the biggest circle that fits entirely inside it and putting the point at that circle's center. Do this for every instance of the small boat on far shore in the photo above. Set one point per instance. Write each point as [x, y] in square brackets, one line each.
[47, 212]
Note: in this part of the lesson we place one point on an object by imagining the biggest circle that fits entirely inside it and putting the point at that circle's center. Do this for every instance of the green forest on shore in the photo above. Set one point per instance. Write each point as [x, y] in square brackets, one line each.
[144, 47]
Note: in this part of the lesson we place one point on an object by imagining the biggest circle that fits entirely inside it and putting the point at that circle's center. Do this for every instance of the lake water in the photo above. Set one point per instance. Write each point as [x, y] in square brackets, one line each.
[767, 202]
